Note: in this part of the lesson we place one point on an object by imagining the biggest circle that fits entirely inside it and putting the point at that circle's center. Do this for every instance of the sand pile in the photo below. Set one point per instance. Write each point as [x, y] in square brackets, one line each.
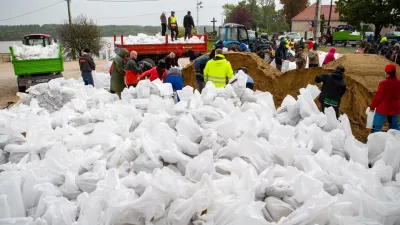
[363, 75]
[262, 73]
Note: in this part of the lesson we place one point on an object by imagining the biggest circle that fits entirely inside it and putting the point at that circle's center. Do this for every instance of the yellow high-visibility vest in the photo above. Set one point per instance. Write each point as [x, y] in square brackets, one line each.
[173, 21]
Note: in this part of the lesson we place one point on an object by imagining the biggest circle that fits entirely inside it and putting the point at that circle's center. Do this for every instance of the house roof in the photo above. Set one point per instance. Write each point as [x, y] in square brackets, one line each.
[309, 13]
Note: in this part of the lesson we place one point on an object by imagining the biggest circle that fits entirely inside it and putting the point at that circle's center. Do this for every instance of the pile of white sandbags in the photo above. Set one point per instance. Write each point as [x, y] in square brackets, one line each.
[26, 52]
[225, 156]
[157, 39]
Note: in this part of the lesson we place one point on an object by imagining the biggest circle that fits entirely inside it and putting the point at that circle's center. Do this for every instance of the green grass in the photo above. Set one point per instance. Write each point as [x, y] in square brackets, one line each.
[340, 50]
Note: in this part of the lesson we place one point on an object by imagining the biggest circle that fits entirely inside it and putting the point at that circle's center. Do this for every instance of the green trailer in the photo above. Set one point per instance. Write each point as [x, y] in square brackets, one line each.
[34, 71]
[345, 37]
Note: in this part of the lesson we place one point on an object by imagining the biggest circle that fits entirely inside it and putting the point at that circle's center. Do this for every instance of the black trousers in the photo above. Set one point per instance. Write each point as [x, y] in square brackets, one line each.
[250, 86]
[188, 32]
[336, 108]
[163, 29]
[313, 65]
[174, 33]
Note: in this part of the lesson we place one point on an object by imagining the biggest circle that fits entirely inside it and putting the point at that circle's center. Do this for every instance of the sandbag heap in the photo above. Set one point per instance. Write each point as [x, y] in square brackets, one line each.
[157, 39]
[26, 52]
[225, 156]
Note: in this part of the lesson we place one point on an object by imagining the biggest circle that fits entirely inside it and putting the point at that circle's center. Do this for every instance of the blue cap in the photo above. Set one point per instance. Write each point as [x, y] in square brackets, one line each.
[315, 45]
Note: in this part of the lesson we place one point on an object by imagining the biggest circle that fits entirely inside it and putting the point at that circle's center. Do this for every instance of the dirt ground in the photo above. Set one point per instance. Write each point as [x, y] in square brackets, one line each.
[8, 81]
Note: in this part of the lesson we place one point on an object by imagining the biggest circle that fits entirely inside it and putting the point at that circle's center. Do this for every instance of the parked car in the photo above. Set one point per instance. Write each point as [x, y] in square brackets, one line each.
[393, 36]
[295, 36]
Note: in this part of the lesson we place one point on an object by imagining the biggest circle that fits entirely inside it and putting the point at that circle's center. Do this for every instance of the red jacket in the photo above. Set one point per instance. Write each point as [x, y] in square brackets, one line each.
[310, 44]
[387, 99]
[153, 74]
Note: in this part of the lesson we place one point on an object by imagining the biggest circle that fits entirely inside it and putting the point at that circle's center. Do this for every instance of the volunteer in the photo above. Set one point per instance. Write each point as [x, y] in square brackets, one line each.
[118, 72]
[173, 26]
[313, 56]
[163, 19]
[132, 70]
[188, 23]
[280, 55]
[175, 78]
[157, 72]
[330, 56]
[301, 60]
[333, 89]
[87, 65]
[199, 66]
[386, 101]
[218, 70]
[171, 60]
[218, 45]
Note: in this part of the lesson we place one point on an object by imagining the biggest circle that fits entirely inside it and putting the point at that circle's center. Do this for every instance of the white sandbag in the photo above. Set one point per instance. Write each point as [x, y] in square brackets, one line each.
[17, 221]
[370, 118]
[391, 155]
[201, 164]
[189, 128]
[10, 186]
[277, 208]
[357, 151]
[187, 146]
[376, 145]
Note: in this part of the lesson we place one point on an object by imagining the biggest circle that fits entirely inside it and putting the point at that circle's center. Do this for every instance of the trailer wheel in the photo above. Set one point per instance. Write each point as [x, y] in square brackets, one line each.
[354, 45]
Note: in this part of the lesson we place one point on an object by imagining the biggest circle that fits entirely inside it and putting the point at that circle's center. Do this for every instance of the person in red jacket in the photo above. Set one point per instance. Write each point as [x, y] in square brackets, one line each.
[310, 43]
[158, 71]
[387, 101]
[330, 56]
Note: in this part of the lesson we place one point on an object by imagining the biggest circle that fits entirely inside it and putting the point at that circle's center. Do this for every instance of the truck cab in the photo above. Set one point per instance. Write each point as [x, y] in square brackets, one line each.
[232, 35]
[37, 39]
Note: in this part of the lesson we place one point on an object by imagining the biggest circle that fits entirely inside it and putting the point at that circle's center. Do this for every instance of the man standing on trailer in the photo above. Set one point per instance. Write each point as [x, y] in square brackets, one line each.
[163, 19]
[188, 23]
[173, 26]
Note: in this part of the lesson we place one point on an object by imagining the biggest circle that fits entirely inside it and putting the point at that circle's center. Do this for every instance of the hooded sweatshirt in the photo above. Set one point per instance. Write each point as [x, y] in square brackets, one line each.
[118, 72]
[218, 71]
[333, 88]
[330, 56]
[281, 53]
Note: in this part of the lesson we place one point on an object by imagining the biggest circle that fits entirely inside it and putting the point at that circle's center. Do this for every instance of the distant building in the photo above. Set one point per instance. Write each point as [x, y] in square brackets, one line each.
[301, 22]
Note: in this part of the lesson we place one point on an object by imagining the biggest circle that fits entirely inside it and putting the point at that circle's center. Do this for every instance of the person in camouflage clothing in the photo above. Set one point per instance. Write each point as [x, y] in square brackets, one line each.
[118, 72]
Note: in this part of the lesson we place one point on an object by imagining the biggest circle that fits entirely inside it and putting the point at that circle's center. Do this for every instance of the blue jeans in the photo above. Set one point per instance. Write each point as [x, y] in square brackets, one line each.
[379, 120]
[87, 78]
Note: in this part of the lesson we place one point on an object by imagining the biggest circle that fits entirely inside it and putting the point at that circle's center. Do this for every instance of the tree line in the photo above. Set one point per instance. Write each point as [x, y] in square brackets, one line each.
[262, 15]
[15, 33]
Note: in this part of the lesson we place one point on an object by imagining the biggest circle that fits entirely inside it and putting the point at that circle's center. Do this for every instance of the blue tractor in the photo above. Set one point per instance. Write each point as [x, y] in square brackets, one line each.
[235, 36]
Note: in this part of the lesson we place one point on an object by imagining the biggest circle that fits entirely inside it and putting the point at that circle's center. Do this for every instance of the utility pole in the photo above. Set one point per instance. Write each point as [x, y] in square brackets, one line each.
[213, 21]
[197, 6]
[330, 14]
[69, 12]
[318, 20]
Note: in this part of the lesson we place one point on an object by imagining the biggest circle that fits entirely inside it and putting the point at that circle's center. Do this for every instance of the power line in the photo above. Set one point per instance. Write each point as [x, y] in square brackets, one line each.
[153, 14]
[32, 11]
[122, 0]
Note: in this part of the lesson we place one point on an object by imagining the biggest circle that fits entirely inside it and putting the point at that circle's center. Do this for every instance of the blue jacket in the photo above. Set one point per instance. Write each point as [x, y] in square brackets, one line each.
[200, 64]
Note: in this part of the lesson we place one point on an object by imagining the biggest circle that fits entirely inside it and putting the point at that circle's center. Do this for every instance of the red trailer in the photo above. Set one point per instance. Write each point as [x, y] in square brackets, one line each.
[159, 51]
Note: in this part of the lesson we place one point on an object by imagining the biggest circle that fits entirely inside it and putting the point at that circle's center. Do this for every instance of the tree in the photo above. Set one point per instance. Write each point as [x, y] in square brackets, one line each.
[292, 8]
[83, 33]
[380, 13]
[240, 15]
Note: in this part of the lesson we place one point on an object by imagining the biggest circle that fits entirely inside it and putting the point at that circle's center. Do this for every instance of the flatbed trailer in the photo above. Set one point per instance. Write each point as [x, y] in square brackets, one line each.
[159, 51]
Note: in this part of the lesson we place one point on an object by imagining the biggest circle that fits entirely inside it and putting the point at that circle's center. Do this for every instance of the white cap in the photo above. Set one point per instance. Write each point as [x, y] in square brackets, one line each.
[224, 50]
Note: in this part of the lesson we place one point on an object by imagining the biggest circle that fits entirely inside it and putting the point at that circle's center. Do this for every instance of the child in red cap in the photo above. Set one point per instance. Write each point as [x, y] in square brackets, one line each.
[387, 101]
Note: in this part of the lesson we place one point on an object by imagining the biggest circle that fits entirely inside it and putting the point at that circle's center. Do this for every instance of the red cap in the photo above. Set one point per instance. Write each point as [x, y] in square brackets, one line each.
[391, 69]
[179, 53]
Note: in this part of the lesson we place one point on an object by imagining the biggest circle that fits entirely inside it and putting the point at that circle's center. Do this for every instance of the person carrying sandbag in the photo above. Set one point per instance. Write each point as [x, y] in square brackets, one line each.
[313, 56]
[386, 101]
[280, 55]
[333, 89]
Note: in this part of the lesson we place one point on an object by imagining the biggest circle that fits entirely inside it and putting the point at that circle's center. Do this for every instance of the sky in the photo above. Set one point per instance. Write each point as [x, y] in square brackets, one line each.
[146, 12]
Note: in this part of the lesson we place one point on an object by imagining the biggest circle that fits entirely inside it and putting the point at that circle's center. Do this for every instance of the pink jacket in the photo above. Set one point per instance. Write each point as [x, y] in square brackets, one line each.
[330, 56]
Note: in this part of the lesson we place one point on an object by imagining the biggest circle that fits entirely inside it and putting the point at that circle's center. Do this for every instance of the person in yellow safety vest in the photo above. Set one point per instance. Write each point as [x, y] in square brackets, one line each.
[287, 43]
[218, 70]
[173, 26]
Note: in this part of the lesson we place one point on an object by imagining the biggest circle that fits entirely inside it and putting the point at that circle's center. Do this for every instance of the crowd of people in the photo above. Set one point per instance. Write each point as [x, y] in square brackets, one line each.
[389, 50]
[127, 72]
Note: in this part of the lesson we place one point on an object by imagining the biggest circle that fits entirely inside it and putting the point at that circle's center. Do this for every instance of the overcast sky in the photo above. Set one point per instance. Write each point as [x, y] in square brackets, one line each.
[115, 13]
